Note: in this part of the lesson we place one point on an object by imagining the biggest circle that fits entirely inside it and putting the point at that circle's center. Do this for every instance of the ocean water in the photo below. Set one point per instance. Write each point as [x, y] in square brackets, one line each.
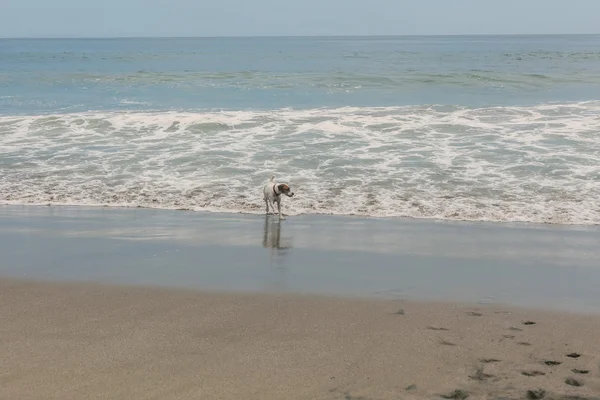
[483, 128]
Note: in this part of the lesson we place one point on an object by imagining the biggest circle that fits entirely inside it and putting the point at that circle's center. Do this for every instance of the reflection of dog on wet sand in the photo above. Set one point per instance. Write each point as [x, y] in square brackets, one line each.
[272, 192]
[272, 235]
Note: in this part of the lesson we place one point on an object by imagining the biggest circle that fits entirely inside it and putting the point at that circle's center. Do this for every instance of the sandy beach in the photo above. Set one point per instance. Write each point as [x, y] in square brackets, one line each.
[90, 341]
[149, 304]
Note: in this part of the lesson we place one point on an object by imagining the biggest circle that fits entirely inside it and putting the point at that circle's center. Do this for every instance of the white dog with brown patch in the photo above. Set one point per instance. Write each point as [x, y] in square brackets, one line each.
[272, 192]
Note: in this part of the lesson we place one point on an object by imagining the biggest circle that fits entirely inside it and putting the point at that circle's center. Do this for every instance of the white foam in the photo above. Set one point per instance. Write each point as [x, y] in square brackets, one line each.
[530, 164]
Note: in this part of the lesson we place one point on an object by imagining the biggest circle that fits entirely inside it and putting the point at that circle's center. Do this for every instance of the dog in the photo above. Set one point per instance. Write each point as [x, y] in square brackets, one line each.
[272, 192]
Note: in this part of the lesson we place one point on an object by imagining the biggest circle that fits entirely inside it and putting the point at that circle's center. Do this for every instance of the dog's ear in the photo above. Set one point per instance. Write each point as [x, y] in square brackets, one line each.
[283, 187]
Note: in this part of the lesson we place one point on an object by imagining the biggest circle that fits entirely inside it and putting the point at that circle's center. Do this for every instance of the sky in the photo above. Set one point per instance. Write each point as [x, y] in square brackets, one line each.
[163, 18]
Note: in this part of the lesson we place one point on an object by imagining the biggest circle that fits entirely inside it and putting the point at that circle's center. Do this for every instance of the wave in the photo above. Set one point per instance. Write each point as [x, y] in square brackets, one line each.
[530, 164]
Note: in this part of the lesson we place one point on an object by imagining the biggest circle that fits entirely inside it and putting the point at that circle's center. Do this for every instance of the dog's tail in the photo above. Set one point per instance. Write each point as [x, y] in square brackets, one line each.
[272, 178]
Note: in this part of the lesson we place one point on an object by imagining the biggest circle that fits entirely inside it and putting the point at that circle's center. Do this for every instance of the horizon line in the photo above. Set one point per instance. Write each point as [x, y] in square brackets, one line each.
[291, 36]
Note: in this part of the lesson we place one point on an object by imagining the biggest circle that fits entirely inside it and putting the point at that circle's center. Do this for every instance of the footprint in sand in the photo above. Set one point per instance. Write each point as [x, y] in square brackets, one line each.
[536, 394]
[447, 343]
[580, 371]
[433, 328]
[456, 395]
[479, 375]
[524, 343]
[489, 360]
[552, 363]
[574, 355]
[573, 382]
[533, 373]
[528, 323]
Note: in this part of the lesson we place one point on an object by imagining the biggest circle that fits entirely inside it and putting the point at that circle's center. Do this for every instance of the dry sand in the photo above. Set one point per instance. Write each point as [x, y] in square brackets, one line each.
[85, 341]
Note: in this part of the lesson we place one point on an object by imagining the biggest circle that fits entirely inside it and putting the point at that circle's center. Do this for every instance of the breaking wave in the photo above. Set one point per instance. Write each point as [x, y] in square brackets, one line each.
[532, 164]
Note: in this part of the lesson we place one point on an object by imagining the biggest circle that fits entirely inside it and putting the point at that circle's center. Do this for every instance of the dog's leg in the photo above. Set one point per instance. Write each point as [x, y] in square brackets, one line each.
[267, 204]
[279, 210]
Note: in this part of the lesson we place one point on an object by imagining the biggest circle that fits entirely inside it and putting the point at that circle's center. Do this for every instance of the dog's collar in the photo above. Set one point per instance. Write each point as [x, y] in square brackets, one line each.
[275, 191]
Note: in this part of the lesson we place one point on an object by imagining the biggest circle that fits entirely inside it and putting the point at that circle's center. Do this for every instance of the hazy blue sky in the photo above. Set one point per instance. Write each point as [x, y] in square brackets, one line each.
[106, 18]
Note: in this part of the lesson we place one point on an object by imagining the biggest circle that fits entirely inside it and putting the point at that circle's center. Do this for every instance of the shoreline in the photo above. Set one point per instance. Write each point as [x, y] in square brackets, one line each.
[590, 226]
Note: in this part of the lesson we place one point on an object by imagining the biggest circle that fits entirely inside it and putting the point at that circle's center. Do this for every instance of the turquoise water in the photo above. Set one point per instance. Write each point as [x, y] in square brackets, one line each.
[471, 128]
[268, 73]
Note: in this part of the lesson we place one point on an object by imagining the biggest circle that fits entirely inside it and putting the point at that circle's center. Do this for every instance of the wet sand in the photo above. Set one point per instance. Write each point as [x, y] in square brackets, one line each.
[92, 341]
[543, 266]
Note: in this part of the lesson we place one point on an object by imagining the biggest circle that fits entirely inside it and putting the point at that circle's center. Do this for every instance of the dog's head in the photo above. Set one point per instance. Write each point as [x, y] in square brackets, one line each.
[285, 189]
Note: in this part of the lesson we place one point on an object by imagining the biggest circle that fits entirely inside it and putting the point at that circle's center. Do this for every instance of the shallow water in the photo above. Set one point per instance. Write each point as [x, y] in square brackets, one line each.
[516, 264]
